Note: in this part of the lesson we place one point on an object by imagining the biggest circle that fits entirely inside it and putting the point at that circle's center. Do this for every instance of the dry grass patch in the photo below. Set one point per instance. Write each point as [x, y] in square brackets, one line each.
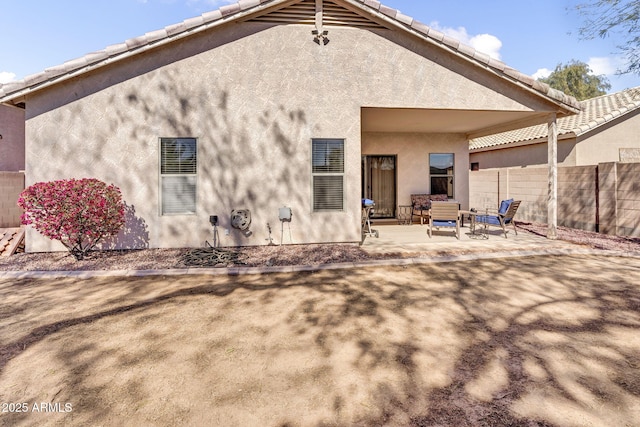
[525, 341]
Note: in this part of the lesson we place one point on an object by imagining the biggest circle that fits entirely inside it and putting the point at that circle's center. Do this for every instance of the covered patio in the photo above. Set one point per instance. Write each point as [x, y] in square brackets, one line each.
[408, 239]
[402, 149]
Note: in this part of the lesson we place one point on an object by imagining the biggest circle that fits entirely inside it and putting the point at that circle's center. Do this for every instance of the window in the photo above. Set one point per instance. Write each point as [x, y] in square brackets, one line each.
[441, 173]
[475, 166]
[327, 164]
[178, 168]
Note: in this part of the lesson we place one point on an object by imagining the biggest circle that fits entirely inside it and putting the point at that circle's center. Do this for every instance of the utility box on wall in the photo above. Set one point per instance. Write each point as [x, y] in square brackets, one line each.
[284, 214]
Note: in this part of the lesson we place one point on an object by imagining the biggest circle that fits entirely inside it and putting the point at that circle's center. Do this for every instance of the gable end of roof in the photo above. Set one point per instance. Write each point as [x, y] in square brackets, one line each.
[53, 75]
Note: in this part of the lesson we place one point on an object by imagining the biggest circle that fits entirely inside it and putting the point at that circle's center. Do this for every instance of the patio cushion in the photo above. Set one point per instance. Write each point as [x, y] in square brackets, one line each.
[421, 201]
[504, 206]
[488, 219]
[437, 223]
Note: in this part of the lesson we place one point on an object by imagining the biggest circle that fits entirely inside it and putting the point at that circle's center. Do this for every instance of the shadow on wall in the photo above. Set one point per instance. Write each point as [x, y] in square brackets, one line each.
[134, 235]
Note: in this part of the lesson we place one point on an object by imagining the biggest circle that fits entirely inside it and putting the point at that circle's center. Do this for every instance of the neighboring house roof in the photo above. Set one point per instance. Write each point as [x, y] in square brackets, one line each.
[15, 90]
[595, 113]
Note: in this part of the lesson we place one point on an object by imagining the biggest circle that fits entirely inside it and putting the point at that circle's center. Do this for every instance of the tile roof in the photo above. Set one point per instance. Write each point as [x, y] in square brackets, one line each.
[595, 112]
[14, 90]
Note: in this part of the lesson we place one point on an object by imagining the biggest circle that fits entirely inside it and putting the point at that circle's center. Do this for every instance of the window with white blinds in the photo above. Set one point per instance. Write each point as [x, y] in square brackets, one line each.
[178, 175]
[327, 158]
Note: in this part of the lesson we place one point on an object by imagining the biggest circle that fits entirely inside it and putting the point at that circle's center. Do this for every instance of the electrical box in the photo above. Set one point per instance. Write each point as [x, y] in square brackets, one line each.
[285, 214]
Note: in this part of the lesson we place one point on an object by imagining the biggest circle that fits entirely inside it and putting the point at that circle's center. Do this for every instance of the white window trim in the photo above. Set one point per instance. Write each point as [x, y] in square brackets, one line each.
[452, 176]
[342, 175]
[161, 176]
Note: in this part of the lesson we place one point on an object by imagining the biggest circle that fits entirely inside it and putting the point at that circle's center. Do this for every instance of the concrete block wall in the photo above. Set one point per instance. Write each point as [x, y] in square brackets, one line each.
[628, 199]
[529, 186]
[577, 203]
[13, 137]
[577, 197]
[489, 187]
[11, 185]
[484, 189]
[607, 195]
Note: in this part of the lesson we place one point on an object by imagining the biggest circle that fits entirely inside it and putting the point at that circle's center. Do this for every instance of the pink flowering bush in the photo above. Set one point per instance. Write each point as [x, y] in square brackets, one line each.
[77, 212]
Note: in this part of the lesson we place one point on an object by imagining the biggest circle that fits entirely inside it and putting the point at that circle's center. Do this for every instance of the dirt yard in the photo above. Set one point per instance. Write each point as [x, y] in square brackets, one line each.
[538, 341]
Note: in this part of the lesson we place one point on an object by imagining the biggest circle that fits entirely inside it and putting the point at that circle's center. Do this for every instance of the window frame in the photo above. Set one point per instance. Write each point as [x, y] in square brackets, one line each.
[329, 173]
[192, 175]
[444, 175]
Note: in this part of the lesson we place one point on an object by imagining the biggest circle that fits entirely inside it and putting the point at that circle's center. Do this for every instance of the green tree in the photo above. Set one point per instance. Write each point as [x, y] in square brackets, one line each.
[622, 17]
[577, 79]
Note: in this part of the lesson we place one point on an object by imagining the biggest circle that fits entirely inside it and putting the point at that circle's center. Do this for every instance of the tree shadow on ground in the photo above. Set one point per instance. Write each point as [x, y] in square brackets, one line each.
[527, 341]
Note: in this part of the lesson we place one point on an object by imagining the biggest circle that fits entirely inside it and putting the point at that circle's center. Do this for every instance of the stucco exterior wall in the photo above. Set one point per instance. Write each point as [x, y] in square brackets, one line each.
[412, 153]
[254, 95]
[532, 155]
[605, 144]
[12, 129]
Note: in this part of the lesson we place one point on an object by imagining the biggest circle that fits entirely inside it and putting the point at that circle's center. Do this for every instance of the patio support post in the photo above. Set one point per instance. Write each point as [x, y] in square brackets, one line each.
[552, 159]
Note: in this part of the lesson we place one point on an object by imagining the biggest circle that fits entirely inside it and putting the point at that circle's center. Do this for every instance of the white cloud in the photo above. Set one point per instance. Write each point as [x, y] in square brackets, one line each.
[6, 77]
[485, 43]
[604, 65]
[542, 73]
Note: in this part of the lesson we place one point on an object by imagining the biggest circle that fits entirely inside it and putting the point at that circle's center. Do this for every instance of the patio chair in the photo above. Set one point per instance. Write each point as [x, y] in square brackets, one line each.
[444, 215]
[504, 216]
[421, 203]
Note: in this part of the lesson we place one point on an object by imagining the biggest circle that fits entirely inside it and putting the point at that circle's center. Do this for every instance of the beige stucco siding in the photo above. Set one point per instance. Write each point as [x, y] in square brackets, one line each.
[412, 156]
[604, 144]
[12, 129]
[254, 96]
[532, 155]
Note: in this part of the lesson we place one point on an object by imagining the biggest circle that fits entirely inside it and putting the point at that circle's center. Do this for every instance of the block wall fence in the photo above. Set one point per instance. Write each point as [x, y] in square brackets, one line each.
[603, 198]
[11, 185]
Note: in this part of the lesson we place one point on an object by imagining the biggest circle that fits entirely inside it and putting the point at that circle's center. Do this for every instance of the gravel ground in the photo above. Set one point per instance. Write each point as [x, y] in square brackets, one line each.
[259, 256]
[587, 238]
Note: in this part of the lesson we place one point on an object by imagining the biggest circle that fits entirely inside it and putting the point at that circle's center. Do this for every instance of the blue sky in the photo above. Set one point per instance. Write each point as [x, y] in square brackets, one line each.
[529, 36]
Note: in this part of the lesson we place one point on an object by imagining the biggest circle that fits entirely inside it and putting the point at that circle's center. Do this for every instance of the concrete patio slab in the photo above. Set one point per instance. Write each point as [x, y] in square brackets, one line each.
[414, 238]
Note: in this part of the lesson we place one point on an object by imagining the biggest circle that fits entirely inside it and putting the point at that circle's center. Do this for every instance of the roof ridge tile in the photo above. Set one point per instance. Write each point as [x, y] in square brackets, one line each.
[230, 9]
[390, 12]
